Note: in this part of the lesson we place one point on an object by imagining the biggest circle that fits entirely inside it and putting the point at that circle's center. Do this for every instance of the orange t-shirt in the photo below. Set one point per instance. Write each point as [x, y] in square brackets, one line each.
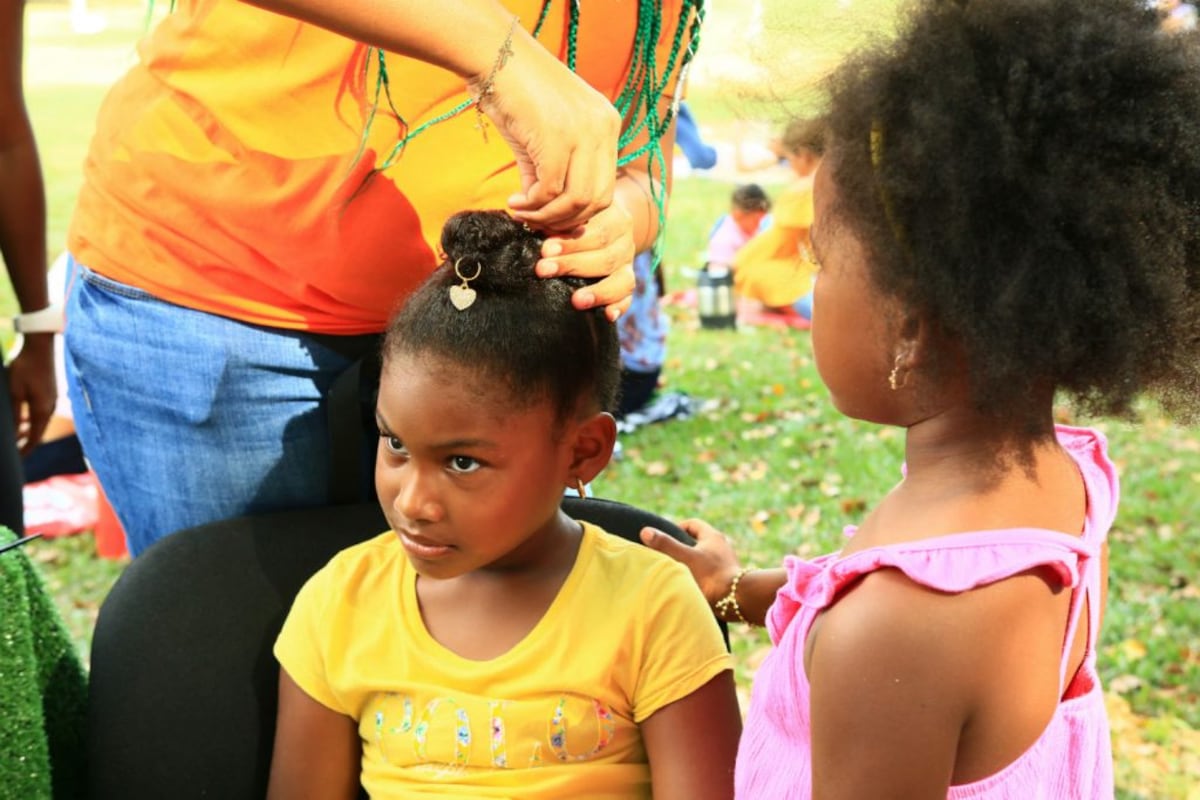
[223, 173]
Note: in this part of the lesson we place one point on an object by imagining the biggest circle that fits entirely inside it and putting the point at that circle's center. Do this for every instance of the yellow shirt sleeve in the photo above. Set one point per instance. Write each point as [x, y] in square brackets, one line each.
[298, 647]
[683, 648]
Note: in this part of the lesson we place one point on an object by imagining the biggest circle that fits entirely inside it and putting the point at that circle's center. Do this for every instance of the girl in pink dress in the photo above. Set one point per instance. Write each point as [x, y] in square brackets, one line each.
[1006, 215]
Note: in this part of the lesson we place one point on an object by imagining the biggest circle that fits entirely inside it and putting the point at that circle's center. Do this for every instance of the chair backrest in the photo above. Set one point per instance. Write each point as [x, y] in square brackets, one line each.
[182, 696]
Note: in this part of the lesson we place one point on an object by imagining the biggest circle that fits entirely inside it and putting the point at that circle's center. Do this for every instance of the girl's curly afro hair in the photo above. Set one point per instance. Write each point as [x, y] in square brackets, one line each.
[1026, 175]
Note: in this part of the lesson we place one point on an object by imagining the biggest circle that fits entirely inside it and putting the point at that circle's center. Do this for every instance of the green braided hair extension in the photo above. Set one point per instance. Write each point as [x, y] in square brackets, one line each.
[150, 12]
[637, 102]
[381, 81]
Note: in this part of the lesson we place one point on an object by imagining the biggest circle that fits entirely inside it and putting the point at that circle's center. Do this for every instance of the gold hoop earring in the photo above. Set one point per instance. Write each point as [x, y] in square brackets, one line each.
[462, 296]
[894, 376]
[581, 487]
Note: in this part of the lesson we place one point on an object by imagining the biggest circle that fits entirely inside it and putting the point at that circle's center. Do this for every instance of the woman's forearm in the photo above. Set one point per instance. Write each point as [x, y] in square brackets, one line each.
[633, 193]
[462, 36]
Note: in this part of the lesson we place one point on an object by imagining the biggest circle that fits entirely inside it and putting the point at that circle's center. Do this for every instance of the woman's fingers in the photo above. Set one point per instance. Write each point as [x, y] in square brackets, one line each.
[602, 248]
[563, 134]
[587, 189]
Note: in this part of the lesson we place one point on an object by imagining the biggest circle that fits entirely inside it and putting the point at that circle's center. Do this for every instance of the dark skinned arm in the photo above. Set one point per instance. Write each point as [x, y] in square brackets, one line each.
[23, 234]
[318, 755]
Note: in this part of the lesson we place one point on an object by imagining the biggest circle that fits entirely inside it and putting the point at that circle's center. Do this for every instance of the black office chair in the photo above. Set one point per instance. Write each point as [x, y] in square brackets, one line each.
[182, 697]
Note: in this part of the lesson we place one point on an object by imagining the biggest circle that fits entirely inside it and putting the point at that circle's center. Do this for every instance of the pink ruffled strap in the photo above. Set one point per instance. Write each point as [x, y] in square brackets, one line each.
[955, 563]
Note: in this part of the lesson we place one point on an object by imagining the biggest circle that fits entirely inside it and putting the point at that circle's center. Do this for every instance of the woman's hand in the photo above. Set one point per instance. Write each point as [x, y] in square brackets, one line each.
[562, 131]
[603, 247]
[712, 562]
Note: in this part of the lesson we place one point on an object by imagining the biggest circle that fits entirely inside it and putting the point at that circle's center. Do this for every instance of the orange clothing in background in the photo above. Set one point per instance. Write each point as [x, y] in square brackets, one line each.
[775, 267]
[224, 175]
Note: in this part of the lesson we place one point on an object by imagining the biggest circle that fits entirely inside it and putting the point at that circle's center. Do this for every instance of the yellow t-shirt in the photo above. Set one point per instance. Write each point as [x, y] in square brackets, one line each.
[225, 174]
[554, 717]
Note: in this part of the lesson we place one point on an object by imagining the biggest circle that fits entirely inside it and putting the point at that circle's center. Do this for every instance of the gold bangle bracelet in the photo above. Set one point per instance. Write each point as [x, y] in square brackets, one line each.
[730, 601]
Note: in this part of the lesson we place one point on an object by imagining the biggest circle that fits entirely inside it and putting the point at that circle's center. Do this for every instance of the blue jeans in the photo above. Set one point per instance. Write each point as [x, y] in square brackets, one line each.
[687, 135]
[188, 417]
[803, 306]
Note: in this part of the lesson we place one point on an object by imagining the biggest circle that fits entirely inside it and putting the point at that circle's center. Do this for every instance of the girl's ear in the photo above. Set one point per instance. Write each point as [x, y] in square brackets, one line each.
[592, 447]
[911, 342]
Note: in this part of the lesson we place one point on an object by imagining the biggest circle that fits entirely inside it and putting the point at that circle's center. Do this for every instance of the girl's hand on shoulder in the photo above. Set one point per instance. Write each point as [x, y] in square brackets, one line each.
[712, 561]
[602, 247]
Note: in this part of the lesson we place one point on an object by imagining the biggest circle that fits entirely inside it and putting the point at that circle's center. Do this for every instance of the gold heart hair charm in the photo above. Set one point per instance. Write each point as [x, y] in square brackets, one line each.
[462, 296]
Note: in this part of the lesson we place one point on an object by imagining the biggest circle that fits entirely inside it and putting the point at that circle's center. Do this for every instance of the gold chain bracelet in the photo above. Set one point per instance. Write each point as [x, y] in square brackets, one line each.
[488, 86]
[730, 601]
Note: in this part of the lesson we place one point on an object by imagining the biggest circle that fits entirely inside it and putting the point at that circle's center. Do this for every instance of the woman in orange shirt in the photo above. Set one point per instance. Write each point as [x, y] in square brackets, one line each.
[263, 191]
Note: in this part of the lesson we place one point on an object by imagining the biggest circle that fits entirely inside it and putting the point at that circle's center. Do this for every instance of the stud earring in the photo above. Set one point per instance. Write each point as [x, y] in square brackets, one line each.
[462, 296]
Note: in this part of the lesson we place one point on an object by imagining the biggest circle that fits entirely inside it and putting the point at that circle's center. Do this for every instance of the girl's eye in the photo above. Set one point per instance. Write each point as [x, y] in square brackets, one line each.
[463, 464]
[393, 445]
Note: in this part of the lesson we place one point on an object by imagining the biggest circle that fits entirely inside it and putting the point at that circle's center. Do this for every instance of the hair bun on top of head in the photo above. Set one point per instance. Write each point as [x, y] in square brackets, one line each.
[492, 246]
[504, 322]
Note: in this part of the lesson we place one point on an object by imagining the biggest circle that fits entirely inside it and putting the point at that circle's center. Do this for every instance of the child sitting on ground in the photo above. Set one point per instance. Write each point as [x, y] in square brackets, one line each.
[488, 645]
[748, 209]
[1006, 215]
[775, 267]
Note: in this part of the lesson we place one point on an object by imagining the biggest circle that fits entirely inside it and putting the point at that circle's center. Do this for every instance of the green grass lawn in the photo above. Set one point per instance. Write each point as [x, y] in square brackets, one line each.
[767, 460]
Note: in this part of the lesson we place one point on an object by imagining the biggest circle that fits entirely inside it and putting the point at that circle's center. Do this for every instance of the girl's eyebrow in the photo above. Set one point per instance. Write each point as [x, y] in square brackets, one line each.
[465, 444]
[451, 444]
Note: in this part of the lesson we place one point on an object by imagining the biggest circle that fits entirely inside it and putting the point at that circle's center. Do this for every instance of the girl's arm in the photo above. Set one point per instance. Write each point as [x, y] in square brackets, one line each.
[890, 671]
[691, 743]
[317, 753]
[714, 565]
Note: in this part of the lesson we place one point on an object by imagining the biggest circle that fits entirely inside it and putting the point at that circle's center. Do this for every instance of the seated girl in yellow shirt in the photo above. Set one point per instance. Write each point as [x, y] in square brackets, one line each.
[488, 645]
[776, 267]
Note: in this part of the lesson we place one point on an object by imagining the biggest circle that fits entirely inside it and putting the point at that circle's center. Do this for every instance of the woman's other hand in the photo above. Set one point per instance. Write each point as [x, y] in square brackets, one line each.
[602, 247]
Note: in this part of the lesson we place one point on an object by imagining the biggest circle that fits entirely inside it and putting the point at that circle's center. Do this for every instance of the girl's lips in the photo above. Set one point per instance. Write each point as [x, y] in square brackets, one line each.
[420, 547]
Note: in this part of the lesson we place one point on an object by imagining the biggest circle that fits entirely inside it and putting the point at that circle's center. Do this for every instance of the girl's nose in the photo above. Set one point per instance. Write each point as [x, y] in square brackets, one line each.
[417, 499]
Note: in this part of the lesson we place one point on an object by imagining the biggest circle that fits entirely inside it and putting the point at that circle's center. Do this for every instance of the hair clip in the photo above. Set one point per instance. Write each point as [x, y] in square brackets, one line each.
[462, 295]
